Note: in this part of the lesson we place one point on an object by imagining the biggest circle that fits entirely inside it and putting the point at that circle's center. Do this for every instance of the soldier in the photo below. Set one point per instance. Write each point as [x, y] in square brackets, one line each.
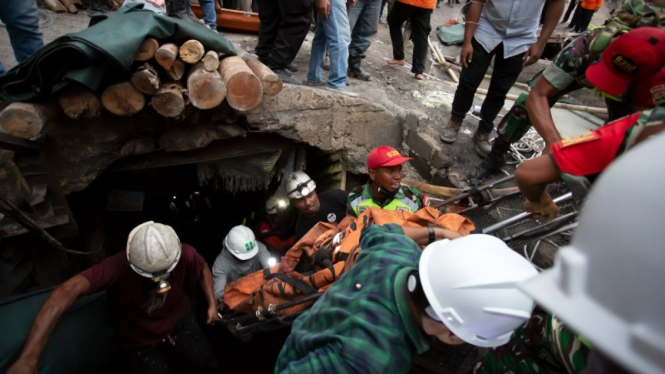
[567, 73]
[579, 160]
[384, 189]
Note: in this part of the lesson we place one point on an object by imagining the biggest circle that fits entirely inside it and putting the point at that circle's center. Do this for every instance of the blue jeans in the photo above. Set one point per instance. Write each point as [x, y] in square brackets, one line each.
[208, 10]
[363, 20]
[22, 20]
[335, 33]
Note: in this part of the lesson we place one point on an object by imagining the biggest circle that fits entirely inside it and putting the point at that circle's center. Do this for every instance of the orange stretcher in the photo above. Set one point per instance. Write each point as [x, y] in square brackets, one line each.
[233, 20]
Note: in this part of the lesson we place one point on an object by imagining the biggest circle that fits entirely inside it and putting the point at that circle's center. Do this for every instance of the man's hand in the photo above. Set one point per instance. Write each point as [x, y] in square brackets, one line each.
[533, 54]
[545, 208]
[212, 315]
[466, 55]
[218, 7]
[323, 8]
[22, 367]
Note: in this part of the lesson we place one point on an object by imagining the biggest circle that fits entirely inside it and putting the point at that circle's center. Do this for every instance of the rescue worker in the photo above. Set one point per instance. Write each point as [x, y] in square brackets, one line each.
[277, 229]
[380, 313]
[329, 206]
[579, 160]
[384, 190]
[241, 255]
[145, 289]
[607, 284]
[633, 56]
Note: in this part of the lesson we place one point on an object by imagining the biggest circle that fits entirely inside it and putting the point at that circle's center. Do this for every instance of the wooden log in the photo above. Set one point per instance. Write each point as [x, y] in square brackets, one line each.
[211, 61]
[192, 51]
[146, 79]
[204, 88]
[166, 54]
[55, 6]
[147, 49]
[272, 84]
[78, 101]
[448, 192]
[177, 70]
[123, 99]
[243, 89]
[169, 100]
[26, 120]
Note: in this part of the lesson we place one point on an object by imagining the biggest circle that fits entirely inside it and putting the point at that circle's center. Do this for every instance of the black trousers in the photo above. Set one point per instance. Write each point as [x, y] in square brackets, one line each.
[284, 25]
[571, 7]
[584, 20]
[191, 348]
[420, 29]
[504, 75]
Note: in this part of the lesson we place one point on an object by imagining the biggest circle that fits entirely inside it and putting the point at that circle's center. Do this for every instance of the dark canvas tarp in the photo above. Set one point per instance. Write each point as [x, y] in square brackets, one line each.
[101, 53]
[82, 343]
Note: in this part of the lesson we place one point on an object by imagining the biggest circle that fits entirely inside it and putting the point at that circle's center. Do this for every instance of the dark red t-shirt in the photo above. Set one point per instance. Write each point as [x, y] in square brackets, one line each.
[140, 316]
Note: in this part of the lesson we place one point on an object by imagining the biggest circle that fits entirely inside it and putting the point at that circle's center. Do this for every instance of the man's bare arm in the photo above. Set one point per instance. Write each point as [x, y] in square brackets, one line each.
[206, 283]
[420, 235]
[472, 18]
[47, 318]
[537, 105]
[552, 17]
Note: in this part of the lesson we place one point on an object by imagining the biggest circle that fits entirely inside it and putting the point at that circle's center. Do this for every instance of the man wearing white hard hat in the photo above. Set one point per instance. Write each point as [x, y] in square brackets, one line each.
[377, 316]
[148, 305]
[241, 255]
[328, 206]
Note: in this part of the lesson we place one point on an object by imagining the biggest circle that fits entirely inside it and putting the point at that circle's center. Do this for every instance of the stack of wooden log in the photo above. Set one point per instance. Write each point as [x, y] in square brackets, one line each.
[167, 77]
[71, 6]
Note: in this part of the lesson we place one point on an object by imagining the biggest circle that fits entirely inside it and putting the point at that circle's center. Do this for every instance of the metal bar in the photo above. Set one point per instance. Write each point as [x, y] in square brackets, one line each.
[528, 231]
[522, 216]
[480, 189]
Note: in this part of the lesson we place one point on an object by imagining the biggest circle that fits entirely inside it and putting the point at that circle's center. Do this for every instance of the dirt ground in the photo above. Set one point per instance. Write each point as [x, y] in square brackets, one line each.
[390, 85]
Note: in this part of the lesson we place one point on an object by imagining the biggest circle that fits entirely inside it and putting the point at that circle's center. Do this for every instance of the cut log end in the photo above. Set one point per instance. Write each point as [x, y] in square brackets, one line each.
[147, 49]
[192, 51]
[25, 120]
[166, 55]
[243, 89]
[272, 84]
[211, 61]
[146, 79]
[205, 89]
[169, 101]
[123, 99]
[79, 102]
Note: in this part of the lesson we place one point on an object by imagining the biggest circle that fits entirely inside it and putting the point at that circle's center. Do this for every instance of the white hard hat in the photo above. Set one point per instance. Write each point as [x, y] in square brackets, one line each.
[153, 249]
[299, 185]
[240, 241]
[471, 285]
[607, 285]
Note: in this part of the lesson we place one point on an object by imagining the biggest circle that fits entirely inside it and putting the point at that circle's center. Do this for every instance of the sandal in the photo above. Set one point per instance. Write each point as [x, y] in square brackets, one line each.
[419, 76]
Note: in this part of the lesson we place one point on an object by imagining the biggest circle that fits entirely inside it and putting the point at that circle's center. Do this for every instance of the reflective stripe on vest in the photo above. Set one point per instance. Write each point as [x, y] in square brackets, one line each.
[405, 204]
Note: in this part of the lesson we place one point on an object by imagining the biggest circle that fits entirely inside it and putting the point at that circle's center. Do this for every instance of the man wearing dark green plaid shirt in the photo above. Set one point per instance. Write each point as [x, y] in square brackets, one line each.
[370, 320]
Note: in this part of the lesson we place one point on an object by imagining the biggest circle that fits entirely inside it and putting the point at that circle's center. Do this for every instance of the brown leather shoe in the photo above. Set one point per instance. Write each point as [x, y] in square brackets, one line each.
[450, 130]
[482, 141]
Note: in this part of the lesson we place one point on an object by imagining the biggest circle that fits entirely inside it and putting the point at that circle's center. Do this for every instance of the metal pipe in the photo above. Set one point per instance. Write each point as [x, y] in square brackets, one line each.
[564, 218]
[522, 216]
[473, 191]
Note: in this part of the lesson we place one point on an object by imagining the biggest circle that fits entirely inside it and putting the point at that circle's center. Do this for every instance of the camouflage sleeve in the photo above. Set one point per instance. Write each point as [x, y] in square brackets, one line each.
[568, 65]
[542, 345]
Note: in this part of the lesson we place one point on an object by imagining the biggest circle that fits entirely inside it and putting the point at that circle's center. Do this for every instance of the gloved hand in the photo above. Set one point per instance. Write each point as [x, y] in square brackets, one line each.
[545, 208]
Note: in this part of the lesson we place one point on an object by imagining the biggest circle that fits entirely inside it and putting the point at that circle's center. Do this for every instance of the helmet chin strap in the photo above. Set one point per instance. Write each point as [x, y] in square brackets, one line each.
[384, 191]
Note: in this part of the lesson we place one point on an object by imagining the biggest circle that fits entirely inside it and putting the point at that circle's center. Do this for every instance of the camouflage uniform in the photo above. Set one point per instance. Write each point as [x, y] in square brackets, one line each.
[542, 345]
[567, 71]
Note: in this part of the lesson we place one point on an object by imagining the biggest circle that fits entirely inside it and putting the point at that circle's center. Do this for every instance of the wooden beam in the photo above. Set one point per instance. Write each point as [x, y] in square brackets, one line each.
[217, 150]
[13, 143]
[9, 227]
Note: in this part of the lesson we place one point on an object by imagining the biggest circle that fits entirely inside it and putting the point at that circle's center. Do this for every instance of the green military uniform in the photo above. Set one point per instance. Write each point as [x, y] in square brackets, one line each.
[567, 71]
[543, 345]
[407, 198]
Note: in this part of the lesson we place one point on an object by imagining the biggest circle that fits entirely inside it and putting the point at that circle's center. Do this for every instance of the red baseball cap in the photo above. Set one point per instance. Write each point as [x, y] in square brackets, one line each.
[384, 156]
[651, 91]
[630, 58]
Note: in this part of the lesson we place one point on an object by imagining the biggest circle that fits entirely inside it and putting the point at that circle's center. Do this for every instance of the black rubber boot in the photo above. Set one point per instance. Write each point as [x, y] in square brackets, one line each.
[356, 70]
[494, 161]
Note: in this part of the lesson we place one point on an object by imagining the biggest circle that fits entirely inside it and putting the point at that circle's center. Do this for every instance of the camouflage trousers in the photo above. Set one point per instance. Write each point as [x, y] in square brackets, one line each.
[542, 345]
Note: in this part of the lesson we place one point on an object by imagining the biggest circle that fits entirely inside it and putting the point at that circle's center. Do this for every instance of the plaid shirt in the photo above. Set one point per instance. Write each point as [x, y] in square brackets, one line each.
[363, 323]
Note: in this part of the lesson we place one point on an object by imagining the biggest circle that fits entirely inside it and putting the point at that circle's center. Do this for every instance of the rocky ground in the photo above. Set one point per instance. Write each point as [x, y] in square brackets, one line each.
[393, 86]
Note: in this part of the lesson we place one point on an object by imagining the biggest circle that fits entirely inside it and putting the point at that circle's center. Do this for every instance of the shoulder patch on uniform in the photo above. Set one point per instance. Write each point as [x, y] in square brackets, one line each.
[658, 94]
[580, 139]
